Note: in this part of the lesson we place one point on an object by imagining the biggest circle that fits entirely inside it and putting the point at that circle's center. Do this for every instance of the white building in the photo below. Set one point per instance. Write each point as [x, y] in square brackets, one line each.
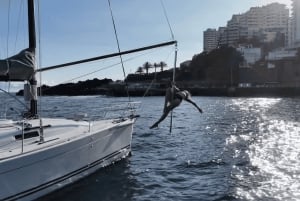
[275, 17]
[210, 38]
[263, 22]
[233, 30]
[289, 37]
[281, 54]
[250, 54]
[222, 36]
[295, 23]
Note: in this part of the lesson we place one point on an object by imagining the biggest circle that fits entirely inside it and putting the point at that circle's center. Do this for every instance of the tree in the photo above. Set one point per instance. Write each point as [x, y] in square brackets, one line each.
[162, 65]
[140, 70]
[155, 66]
[218, 67]
[147, 65]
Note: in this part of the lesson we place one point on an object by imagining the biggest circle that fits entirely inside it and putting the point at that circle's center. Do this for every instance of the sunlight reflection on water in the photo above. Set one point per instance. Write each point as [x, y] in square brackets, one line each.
[239, 149]
[274, 155]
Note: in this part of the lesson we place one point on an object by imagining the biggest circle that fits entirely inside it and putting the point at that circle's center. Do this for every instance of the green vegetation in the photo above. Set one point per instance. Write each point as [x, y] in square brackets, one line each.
[219, 67]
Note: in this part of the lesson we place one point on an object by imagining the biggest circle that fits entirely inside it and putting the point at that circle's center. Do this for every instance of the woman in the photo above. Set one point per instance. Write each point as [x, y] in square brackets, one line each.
[172, 100]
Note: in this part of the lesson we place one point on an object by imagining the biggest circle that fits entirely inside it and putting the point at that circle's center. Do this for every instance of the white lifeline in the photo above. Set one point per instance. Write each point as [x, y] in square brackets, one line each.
[70, 150]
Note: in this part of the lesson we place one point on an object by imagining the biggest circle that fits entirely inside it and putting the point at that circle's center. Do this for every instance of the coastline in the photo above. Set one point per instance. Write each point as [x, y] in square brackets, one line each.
[195, 91]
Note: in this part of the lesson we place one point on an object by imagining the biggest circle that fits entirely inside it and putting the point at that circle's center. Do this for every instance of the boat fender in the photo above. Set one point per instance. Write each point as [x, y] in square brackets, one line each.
[27, 92]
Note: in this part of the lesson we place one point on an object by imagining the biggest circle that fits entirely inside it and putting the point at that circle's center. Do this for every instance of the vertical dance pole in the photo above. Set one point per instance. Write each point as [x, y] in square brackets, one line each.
[173, 89]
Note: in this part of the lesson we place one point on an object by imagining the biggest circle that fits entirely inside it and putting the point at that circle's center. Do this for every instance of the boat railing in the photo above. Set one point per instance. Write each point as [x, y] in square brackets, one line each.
[120, 110]
[112, 111]
[116, 111]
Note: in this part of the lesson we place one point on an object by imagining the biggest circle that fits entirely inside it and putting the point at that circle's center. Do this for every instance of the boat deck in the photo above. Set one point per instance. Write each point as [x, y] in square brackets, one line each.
[56, 131]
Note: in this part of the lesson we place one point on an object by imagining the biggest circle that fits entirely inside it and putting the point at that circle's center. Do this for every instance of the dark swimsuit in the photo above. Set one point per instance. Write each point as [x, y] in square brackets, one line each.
[178, 96]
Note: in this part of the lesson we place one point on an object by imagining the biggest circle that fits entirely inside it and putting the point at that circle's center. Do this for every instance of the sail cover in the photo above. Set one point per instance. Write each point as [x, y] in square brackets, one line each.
[19, 67]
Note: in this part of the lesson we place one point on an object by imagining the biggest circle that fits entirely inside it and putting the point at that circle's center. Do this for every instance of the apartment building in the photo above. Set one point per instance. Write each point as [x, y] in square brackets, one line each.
[222, 36]
[210, 38]
[262, 22]
[295, 23]
[233, 30]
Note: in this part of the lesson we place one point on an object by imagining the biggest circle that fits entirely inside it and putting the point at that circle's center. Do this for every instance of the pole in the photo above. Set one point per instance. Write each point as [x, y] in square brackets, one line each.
[32, 47]
[31, 25]
[106, 56]
[173, 88]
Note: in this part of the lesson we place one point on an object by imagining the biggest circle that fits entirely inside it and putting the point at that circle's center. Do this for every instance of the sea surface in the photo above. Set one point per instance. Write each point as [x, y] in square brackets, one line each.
[238, 149]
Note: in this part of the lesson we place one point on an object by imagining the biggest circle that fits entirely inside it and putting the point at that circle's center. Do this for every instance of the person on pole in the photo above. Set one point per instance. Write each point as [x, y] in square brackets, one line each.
[173, 98]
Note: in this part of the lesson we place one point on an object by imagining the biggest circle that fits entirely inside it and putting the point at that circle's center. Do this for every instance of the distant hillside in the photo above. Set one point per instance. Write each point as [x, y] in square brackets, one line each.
[88, 87]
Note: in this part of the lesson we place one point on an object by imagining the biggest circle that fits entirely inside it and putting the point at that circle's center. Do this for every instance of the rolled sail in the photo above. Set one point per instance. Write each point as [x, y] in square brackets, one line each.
[19, 67]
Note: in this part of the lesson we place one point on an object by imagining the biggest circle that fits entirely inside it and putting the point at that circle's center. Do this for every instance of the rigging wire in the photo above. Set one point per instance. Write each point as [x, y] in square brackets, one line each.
[7, 52]
[103, 68]
[173, 38]
[14, 97]
[39, 65]
[106, 56]
[40, 56]
[153, 80]
[18, 24]
[117, 39]
[8, 29]
[175, 59]
[166, 16]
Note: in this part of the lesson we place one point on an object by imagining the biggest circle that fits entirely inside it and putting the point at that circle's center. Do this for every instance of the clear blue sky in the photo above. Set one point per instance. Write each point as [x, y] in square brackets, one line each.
[76, 29]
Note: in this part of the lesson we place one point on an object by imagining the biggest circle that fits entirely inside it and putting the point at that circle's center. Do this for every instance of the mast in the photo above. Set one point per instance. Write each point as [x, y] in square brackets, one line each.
[32, 47]
[31, 25]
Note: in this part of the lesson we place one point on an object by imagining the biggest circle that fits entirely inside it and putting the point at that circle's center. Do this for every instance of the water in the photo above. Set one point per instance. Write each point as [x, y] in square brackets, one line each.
[238, 149]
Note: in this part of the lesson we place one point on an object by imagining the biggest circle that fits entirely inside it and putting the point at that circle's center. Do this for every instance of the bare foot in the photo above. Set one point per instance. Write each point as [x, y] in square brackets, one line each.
[154, 126]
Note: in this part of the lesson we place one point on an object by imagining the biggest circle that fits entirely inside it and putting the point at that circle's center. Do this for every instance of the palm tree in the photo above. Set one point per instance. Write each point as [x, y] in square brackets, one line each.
[147, 65]
[156, 65]
[140, 70]
[162, 65]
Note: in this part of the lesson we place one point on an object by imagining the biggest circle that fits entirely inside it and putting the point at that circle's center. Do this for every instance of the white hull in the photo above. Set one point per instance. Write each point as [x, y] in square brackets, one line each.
[63, 157]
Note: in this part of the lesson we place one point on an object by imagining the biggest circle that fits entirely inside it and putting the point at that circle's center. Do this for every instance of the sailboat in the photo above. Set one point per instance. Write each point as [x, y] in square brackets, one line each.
[39, 155]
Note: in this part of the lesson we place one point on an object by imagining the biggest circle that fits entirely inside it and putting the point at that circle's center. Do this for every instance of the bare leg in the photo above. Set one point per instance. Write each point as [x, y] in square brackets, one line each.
[165, 114]
[167, 110]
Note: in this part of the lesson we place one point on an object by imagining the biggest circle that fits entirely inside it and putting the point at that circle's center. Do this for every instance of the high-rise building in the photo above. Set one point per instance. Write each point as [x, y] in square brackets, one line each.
[289, 38]
[233, 30]
[295, 23]
[262, 22]
[222, 36]
[210, 38]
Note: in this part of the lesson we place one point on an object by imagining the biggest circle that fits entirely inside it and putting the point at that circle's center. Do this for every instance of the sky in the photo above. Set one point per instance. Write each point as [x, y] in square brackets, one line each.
[70, 30]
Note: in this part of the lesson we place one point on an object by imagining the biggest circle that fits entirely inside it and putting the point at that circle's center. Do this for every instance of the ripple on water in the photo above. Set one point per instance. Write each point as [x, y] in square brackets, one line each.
[239, 149]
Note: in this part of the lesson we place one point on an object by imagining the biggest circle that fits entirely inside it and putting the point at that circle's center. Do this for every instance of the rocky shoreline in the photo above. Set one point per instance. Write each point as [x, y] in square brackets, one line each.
[109, 88]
